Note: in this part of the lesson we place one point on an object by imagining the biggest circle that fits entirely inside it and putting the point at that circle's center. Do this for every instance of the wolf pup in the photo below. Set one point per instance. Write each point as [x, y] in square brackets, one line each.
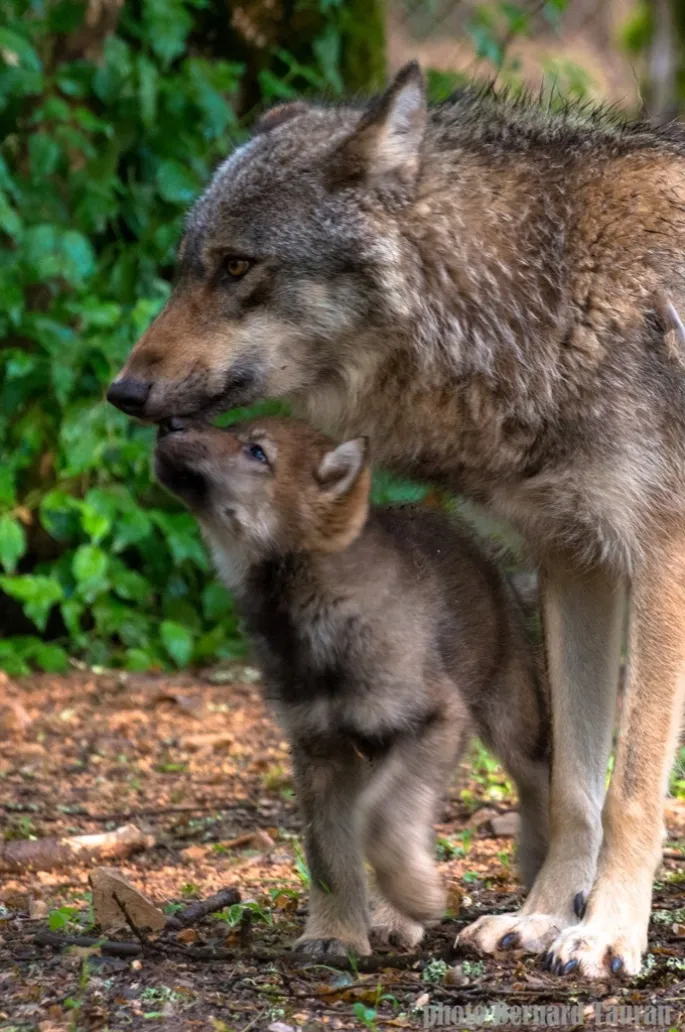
[385, 638]
[477, 287]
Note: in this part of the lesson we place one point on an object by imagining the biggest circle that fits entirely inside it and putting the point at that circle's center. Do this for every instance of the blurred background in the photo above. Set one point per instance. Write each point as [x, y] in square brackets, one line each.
[113, 114]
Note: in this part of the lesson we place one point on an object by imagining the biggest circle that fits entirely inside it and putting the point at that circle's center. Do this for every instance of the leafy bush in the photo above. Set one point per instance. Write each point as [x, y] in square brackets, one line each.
[100, 158]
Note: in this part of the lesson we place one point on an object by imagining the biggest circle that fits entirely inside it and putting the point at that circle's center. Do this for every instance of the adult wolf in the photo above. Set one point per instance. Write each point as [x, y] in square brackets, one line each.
[487, 291]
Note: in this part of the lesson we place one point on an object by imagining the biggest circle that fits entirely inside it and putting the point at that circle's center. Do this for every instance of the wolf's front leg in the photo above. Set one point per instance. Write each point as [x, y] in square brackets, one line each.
[613, 934]
[583, 616]
[328, 786]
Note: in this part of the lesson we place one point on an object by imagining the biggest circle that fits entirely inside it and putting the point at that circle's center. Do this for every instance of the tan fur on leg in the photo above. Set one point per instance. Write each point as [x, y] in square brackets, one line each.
[613, 934]
[583, 616]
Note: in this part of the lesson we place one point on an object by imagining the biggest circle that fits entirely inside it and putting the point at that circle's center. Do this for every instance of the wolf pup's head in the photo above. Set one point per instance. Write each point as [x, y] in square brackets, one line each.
[288, 270]
[265, 488]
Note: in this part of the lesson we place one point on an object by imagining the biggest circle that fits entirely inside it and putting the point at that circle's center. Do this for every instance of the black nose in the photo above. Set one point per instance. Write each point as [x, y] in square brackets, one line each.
[129, 395]
[171, 426]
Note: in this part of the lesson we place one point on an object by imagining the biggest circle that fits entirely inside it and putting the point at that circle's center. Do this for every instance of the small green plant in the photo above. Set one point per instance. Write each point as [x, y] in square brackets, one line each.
[470, 877]
[473, 968]
[301, 866]
[667, 917]
[62, 918]
[161, 993]
[19, 827]
[367, 1015]
[434, 972]
[233, 915]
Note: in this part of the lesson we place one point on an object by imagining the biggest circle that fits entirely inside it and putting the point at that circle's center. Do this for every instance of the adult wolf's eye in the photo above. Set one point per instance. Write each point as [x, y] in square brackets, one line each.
[256, 452]
[237, 267]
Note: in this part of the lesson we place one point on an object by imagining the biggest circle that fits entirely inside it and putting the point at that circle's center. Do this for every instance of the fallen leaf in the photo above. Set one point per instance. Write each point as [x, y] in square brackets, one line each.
[262, 840]
[193, 705]
[208, 741]
[14, 719]
[187, 935]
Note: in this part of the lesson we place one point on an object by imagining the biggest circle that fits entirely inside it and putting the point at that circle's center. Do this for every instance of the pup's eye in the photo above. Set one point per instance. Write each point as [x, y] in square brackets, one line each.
[237, 267]
[256, 452]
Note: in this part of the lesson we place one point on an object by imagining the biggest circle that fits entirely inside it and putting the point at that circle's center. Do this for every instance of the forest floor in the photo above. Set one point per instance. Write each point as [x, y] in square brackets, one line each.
[199, 766]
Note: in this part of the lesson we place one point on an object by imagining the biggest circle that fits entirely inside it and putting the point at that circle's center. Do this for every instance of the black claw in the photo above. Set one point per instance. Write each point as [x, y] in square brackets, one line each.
[556, 966]
[546, 960]
[579, 905]
[616, 965]
[569, 967]
[509, 941]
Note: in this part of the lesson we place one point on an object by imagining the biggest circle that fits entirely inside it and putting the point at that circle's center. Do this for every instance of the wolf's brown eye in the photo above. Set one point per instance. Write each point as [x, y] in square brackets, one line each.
[237, 267]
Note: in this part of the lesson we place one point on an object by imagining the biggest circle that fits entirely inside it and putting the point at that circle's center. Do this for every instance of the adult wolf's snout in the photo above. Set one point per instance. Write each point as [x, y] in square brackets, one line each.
[129, 395]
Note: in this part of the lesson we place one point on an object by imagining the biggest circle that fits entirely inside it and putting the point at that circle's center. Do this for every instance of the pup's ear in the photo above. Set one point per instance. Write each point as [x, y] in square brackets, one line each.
[278, 115]
[387, 140]
[339, 469]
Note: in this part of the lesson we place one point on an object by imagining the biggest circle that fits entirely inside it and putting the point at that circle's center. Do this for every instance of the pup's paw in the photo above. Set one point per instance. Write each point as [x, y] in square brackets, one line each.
[331, 949]
[593, 950]
[532, 933]
[390, 928]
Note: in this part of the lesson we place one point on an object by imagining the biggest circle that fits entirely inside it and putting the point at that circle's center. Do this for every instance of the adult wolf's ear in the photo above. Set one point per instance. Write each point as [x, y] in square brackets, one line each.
[387, 141]
[339, 469]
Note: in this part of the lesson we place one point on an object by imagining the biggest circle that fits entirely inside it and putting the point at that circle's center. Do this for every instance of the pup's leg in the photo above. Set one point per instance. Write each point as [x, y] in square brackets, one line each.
[391, 928]
[613, 934]
[400, 806]
[328, 790]
[583, 616]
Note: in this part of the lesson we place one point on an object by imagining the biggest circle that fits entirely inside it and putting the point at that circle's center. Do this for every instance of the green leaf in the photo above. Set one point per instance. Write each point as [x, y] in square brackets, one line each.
[89, 567]
[38, 594]
[51, 658]
[79, 259]
[178, 642]
[216, 602]
[12, 543]
[138, 660]
[44, 154]
[96, 524]
[177, 183]
[16, 49]
[147, 90]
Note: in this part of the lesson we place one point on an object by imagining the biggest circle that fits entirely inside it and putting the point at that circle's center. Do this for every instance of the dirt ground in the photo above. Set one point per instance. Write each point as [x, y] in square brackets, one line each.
[199, 765]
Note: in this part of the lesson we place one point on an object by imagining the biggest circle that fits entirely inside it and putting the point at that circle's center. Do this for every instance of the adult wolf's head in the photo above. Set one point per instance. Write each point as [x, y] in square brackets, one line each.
[290, 257]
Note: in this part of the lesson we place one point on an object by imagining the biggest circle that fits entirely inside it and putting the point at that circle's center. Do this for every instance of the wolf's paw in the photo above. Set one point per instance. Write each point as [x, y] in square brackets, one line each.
[330, 948]
[532, 933]
[390, 928]
[593, 950]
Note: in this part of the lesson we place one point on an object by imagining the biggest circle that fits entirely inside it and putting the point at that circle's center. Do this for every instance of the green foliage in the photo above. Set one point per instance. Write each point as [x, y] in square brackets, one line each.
[98, 163]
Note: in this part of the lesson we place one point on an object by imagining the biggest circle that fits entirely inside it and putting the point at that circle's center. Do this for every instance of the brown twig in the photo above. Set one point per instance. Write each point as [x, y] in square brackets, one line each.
[197, 911]
[364, 965]
[245, 930]
[107, 947]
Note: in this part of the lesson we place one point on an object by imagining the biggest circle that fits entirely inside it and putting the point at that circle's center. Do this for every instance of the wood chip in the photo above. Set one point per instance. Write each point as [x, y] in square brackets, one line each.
[109, 883]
